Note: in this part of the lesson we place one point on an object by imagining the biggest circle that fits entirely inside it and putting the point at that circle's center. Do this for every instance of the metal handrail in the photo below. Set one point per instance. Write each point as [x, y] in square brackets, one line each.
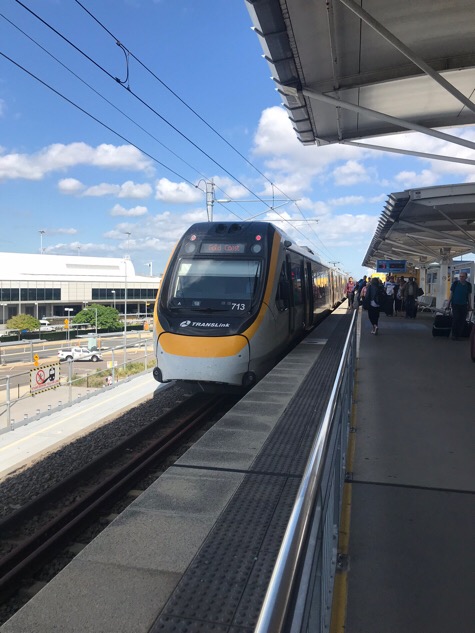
[275, 606]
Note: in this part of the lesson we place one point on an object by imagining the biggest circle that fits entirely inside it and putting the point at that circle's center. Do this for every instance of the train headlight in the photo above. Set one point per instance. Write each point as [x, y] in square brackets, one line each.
[256, 248]
[190, 247]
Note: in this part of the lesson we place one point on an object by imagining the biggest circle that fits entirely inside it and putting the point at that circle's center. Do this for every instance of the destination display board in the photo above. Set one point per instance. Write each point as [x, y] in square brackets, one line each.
[391, 266]
[226, 248]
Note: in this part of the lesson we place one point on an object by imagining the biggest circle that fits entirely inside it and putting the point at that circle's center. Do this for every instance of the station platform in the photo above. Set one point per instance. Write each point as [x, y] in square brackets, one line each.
[411, 562]
[407, 528]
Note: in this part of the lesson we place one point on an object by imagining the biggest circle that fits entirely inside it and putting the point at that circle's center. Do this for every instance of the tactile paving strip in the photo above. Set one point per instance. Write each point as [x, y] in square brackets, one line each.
[224, 587]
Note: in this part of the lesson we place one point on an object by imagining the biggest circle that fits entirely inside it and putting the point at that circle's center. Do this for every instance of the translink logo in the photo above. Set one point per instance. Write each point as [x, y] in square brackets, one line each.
[200, 324]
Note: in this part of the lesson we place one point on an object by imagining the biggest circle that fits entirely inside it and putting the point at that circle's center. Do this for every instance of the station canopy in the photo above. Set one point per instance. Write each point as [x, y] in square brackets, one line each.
[426, 225]
[349, 71]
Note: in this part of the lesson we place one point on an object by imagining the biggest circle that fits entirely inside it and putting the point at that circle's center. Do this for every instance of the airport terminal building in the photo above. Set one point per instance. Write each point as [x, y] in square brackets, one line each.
[49, 286]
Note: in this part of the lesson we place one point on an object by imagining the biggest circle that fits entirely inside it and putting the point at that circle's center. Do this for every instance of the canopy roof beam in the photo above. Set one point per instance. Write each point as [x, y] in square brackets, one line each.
[407, 52]
[291, 90]
[437, 234]
[408, 152]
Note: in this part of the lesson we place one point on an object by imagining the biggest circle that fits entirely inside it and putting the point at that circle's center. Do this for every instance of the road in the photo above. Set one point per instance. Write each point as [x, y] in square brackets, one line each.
[17, 359]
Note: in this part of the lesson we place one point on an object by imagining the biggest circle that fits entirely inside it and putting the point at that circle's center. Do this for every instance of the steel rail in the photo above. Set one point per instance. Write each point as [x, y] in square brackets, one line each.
[34, 549]
[275, 608]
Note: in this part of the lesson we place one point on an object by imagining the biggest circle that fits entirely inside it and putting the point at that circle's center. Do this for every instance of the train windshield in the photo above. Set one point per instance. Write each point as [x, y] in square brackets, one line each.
[215, 285]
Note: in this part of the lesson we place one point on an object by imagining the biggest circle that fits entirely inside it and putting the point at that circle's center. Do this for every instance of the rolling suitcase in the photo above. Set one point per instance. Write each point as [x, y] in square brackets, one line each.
[472, 339]
[467, 327]
[442, 324]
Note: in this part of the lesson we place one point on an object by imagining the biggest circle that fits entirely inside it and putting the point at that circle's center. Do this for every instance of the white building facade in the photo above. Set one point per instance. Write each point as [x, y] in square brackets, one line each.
[57, 286]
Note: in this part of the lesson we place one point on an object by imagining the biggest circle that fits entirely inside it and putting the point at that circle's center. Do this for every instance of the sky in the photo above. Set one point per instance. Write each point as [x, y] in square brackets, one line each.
[112, 123]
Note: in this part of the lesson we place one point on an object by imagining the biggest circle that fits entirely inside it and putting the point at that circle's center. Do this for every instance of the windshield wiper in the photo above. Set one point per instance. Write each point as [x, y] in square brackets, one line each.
[207, 310]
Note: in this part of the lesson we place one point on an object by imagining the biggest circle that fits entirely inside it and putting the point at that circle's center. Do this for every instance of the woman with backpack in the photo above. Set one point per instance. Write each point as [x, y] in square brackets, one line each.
[373, 302]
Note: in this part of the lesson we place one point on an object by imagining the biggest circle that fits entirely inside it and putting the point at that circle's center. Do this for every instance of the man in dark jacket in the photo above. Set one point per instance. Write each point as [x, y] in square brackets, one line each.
[410, 296]
[460, 301]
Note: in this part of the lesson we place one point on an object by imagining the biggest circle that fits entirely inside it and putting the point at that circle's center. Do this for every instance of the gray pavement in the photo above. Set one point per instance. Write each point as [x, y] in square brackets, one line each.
[411, 561]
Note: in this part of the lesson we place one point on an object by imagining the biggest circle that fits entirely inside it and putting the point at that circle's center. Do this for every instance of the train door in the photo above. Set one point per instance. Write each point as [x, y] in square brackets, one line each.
[283, 299]
[308, 289]
[297, 302]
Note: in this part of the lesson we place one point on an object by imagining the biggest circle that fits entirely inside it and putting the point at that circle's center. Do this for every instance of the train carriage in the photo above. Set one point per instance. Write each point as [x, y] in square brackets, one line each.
[234, 298]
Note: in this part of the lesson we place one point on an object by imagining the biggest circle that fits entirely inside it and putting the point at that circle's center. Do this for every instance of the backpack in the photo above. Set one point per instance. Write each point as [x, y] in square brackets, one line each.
[378, 296]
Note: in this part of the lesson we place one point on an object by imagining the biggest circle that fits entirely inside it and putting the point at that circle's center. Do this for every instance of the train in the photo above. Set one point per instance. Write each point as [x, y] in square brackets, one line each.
[234, 298]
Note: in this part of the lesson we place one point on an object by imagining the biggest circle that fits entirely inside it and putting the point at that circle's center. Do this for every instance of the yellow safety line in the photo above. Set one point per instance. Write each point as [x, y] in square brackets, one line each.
[340, 589]
[52, 426]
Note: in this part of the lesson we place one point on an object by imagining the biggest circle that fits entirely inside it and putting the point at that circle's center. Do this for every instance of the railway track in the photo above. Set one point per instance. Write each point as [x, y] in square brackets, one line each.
[32, 534]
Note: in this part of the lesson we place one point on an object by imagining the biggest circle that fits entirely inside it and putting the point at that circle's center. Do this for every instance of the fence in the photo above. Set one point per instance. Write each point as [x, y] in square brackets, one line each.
[299, 596]
[18, 406]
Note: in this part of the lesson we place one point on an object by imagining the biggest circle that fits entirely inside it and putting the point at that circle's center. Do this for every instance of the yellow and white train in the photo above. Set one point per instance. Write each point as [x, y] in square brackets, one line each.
[234, 298]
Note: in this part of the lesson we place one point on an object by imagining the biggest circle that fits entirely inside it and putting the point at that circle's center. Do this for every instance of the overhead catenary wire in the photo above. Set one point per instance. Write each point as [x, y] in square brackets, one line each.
[270, 207]
[182, 101]
[158, 115]
[119, 110]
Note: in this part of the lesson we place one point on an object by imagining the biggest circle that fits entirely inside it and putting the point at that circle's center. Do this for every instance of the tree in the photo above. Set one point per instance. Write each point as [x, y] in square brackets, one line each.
[107, 317]
[23, 322]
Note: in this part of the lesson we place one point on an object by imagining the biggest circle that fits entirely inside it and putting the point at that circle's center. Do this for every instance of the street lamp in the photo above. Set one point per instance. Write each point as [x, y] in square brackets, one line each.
[4, 305]
[42, 232]
[68, 312]
[36, 310]
[113, 296]
[95, 310]
[125, 312]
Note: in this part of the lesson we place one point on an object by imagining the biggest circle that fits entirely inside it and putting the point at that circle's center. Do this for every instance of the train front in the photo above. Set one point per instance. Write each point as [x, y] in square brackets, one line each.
[209, 303]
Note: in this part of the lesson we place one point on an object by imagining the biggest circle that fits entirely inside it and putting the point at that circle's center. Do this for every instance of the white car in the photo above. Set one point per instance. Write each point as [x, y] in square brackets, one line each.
[79, 353]
[45, 326]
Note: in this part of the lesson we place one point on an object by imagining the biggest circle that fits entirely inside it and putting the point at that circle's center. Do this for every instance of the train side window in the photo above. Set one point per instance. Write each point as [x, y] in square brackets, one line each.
[296, 272]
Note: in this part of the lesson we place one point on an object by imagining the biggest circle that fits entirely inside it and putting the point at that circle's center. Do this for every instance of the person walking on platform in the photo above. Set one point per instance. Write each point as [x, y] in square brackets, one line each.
[410, 296]
[399, 296]
[460, 301]
[389, 287]
[359, 288]
[373, 302]
[350, 292]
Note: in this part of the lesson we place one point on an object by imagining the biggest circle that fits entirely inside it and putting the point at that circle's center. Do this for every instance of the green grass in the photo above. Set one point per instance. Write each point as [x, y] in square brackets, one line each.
[98, 379]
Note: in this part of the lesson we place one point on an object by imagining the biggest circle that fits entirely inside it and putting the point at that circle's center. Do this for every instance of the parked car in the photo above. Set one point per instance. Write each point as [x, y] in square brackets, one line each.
[79, 353]
[45, 326]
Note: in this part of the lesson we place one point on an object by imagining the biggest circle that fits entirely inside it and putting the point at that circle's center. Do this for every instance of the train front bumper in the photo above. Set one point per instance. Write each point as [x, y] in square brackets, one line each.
[223, 359]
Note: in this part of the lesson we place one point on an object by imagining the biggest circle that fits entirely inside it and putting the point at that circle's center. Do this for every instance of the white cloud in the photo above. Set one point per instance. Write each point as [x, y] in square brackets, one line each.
[59, 157]
[409, 179]
[70, 186]
[131, 189]
[346, 201]
[128, 189]
[132, 212]
[352, 173]
[104, 189]
[176, 192]
[290, 165]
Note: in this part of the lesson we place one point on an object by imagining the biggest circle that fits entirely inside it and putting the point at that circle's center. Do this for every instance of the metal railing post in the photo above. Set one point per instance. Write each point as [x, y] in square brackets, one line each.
[113, 367]
[8, 401]
[70, 380]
